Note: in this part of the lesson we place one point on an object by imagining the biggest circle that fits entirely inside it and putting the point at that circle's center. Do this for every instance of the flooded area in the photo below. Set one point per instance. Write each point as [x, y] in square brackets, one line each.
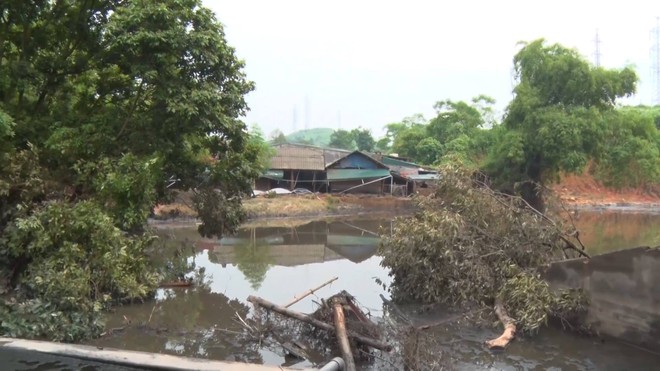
[283, 259]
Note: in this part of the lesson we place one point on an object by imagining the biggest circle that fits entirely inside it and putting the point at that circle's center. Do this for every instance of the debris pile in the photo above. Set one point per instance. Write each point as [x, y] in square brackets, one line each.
[338, 327]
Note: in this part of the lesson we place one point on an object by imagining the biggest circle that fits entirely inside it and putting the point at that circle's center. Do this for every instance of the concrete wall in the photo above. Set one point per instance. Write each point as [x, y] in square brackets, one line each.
[624, 288]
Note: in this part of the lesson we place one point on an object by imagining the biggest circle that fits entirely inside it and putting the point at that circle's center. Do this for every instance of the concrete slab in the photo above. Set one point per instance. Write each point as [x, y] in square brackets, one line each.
[624, 289]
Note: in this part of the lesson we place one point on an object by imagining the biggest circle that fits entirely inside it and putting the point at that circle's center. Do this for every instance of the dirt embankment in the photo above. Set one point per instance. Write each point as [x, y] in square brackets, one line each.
[309, 205]
[581, 191]
[584, 191]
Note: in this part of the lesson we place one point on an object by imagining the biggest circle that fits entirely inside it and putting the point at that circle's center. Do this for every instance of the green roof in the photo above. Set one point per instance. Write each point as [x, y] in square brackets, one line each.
[396, 162]
[354, 174]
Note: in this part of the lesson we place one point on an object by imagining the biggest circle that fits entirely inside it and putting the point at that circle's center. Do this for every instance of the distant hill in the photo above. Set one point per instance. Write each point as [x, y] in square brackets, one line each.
[317, 136]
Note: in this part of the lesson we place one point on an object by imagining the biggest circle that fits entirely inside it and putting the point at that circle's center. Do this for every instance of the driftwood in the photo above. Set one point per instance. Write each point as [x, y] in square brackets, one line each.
[342, 335]
[309, 292]
[314, 322]
[509, 328]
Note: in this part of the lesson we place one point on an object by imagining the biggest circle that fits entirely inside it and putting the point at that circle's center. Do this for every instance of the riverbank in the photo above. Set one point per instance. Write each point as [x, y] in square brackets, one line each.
[297, 206]
[576, 191]
[584, 192]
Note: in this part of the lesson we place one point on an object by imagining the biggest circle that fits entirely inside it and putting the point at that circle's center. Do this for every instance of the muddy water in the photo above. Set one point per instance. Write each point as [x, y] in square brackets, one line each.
[278, 262]
[609, 230]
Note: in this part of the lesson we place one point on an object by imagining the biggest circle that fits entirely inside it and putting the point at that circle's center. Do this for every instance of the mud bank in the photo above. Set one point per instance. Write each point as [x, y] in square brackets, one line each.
[296, 206]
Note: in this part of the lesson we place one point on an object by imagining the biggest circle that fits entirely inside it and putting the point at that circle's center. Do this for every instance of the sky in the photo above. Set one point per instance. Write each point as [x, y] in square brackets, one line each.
[346, 64]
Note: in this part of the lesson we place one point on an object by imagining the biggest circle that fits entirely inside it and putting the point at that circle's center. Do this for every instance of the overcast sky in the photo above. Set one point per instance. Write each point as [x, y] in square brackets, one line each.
[368, 63]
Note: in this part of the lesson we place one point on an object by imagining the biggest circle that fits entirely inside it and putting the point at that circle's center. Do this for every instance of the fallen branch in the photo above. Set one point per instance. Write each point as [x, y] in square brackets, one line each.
[314, 322]
[309, 292]
[342, 335]
[571, 245]
[509, 328]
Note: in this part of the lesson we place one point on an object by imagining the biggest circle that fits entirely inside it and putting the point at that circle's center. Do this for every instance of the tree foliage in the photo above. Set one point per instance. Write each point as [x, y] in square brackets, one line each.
[556, 118]
[100, 103]
[458, 132]
[363, 139]
[342, 139]
[630, 155]
[468, 245]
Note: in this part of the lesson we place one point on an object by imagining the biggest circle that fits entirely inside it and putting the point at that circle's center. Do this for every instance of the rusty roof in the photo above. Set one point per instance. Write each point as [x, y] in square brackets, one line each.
[297, 157]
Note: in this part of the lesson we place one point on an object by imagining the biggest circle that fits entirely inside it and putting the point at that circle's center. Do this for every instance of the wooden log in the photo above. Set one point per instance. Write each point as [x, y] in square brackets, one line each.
[309, 292]
[509, 328]
[342, 335]
[314, 322]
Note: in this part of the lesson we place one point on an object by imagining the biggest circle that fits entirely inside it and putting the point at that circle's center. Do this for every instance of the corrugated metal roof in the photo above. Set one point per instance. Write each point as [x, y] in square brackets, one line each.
[396, 162]
[354, 174]
[297, 157]
[360, 154]
[331, 155]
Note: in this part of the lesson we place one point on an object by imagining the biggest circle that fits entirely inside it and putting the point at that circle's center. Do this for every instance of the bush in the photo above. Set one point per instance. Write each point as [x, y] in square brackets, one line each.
[72, 262]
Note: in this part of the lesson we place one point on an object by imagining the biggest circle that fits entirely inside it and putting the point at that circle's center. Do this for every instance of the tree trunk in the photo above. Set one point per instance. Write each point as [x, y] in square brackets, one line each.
[342, 336]
[314, 322]
[531, 193]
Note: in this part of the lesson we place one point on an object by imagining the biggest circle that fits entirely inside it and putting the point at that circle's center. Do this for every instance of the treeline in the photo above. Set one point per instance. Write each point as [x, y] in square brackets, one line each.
[564, 118]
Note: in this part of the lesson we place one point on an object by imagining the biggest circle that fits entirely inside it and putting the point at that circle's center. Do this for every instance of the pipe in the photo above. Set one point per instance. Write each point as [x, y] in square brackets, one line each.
[335, 364]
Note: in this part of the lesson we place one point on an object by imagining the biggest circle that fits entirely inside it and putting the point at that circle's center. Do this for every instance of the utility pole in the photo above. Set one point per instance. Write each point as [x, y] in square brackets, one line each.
[655, 59]
[295, 119]
[597, 53]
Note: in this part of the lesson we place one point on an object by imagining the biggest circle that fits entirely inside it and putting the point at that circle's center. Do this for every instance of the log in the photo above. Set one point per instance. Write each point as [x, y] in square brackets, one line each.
[309, 292]
[342, 335]
[509, 328]
[314, 322]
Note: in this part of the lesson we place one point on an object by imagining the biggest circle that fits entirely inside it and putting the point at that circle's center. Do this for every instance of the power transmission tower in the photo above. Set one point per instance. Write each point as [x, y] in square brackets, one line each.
[597, 53]
[655, 59]
[306, 111]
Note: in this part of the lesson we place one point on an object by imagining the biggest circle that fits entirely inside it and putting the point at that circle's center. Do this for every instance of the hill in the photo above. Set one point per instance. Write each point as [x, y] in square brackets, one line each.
[317, 136]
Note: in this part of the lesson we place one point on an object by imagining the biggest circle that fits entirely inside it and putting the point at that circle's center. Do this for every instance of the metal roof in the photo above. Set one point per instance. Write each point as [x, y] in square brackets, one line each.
[332, 155]
[355, 174]
[297, 157]
[359, 153]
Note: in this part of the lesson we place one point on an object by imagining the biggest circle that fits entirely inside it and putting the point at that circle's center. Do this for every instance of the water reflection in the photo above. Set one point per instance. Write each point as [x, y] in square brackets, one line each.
[607, 230]
[276, 262]
[279, 262]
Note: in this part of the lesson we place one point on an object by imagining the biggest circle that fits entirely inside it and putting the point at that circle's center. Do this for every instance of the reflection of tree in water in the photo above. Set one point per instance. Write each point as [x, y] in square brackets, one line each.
[200, 323]
[253, 260]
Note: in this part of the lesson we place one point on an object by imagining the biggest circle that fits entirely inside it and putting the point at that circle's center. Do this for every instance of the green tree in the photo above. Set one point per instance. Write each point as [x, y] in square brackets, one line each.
[278, 137]
[428, 150]
[363, 139]
[407, 139]
[342, 139]
[555, 121]
[100, 102]
[630, 155]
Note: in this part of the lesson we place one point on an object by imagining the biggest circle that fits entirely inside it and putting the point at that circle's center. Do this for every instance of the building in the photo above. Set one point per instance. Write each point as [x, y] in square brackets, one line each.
[357, 172]
[340, 171]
